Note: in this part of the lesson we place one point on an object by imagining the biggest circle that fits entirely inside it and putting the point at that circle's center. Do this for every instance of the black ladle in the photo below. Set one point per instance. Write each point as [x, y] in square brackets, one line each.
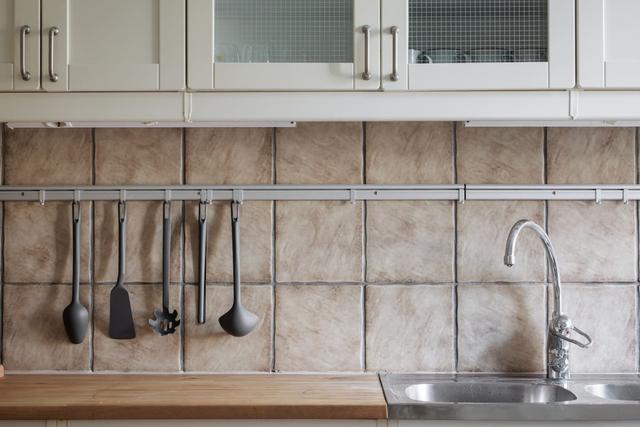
[75, 315]
[238, 321]
[165, 321]
[202, 264]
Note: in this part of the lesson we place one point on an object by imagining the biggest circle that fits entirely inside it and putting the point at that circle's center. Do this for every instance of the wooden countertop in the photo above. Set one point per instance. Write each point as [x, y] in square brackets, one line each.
[275, 396]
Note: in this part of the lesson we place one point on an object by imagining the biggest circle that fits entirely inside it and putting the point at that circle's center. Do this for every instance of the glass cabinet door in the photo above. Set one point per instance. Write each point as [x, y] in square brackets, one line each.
[284, 44]
[478, 44]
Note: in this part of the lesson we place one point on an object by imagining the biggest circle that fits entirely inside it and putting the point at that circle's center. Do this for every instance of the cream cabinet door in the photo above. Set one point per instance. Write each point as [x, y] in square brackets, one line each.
[478, 44]
[284, 44]
[115, 45]
[19, 45]
[608, 48]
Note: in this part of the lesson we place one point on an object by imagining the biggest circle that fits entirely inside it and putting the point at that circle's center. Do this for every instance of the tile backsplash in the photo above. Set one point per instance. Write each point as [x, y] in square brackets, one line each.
[397, 286]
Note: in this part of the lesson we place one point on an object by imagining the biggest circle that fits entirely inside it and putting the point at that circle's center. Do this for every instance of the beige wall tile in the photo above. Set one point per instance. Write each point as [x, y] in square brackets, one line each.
[595, 243]
[48, 157]
[138, 156]
[34, 336]
[609, 314]
[501, 328]
[500, 155]
[209, 349]
[256, 228]
[410, 328]
[148, 352]
[319, 328]
[144, 242]
[409, 153]
[483, 228]
[38, 245]
[591, 156]
[229, 156]
[319, 241]
[410, 241]
[319, 153]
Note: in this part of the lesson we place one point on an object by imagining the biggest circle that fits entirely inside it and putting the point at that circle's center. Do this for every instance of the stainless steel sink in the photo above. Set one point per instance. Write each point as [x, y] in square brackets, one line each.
[521, 398]
[488, 392]
[629, 392]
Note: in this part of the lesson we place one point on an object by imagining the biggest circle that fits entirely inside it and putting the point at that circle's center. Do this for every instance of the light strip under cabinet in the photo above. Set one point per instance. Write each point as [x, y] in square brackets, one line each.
[153, 124]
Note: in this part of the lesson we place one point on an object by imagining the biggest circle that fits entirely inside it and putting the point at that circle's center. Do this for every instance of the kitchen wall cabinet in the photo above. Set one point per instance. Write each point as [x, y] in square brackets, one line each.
[478, 45]
[608, 52]
[19, 45]
[283, 44]
[119, 45]
[414, 44]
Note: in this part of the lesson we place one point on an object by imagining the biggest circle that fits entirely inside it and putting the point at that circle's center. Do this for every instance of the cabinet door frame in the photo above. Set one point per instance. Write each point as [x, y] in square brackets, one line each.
[25, 12]
[557, 73]
[205, 74]
[168, 75]
[594, 70]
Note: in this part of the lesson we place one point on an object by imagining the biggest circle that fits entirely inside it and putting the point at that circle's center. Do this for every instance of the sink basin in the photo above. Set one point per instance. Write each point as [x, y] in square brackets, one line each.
[488, 392]
[615, 391]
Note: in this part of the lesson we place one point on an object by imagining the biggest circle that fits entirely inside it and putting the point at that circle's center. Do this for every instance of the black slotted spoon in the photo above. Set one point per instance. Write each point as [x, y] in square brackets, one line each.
[165, 321]
[121, 325]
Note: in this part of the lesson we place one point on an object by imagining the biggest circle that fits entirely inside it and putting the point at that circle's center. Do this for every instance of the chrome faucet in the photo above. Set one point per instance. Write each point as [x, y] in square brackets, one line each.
[560, 326]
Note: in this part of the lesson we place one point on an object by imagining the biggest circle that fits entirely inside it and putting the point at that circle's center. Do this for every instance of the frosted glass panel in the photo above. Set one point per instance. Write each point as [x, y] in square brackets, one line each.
[284, 31]
[458, 31]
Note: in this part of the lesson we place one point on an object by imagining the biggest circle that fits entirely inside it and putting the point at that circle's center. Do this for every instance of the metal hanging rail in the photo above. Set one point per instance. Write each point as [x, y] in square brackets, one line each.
[596, 193]
[352, 193]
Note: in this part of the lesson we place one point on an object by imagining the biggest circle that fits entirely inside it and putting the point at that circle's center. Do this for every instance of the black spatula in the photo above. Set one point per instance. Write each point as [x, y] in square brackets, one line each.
[121, 326]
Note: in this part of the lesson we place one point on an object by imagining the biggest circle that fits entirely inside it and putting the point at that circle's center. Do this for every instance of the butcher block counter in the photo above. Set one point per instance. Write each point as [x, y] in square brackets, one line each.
[85, 397]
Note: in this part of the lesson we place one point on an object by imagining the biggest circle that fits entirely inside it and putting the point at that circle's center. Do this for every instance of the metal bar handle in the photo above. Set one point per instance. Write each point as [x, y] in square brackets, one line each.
[586, 336]
[366, 30]
[394, 73]
[54, 31]
[26, 75]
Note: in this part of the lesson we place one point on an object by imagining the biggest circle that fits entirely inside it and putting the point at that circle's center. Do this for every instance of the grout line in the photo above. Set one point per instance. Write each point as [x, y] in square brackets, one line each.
[92, 258]
[363, 345]
[637, 229]
[274, 178]
[365, 212]
[637, 205]
[2, 257]
[454, 143]
[182, 249]
[364, 256]
[637, 361]
[545, 180]
[456, 356]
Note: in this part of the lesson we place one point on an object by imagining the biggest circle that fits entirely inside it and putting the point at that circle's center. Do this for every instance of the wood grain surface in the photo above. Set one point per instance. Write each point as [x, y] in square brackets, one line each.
[191, 397]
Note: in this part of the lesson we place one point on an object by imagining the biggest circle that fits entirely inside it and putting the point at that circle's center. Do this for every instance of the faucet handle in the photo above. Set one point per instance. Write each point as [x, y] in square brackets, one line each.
[561, 327]
[586, 336]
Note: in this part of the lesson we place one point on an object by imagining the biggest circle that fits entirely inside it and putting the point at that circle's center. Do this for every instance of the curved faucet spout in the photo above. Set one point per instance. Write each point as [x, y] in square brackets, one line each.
[510, 257]
[560, 326]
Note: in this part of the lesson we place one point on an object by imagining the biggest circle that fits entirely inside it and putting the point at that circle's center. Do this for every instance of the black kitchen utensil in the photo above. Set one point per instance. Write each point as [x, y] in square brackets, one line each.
[202, 264]
[238, 321]
[165, 321]
[75, 315]
[121, 326]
